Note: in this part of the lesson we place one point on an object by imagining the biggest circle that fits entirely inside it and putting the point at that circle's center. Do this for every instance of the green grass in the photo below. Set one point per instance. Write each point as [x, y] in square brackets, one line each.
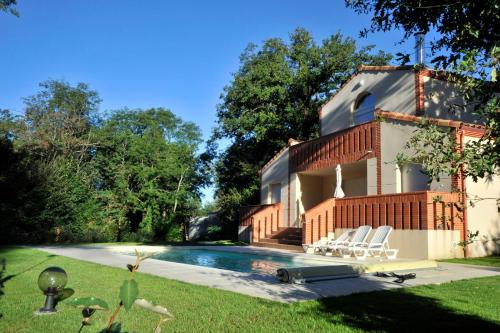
[493, 261]
[469, 305]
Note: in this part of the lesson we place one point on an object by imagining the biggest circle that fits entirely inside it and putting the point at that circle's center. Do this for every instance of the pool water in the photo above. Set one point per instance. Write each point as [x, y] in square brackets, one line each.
[234, 261]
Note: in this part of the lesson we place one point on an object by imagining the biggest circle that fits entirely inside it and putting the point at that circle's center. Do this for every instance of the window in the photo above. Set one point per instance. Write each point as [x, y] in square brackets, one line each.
[364, 108]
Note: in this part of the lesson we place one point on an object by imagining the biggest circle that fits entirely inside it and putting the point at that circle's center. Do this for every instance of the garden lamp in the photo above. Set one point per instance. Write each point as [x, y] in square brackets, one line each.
[52, 282]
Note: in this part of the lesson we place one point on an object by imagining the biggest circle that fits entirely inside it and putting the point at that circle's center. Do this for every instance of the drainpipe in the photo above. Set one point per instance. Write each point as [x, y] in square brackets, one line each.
[464, 192]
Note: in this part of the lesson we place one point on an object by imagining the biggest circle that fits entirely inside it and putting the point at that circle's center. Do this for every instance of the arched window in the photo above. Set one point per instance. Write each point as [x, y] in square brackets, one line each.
[364, 108]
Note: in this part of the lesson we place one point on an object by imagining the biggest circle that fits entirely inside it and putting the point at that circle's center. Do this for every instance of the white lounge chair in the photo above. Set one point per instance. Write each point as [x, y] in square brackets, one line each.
[357, 240]
[379, 244]
[333, 244]
[316, 246]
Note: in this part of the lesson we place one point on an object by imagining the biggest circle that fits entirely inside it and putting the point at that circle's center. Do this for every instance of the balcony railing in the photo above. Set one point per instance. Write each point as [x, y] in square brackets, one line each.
[403, 211]
[347, 146]
[263, 219]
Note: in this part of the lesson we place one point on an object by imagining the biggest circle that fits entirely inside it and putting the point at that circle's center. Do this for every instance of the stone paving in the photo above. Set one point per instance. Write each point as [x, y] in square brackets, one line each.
[264, 286]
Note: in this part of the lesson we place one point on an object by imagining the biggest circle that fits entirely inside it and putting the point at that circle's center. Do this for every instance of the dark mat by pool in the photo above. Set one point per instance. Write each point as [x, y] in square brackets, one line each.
[317, 273]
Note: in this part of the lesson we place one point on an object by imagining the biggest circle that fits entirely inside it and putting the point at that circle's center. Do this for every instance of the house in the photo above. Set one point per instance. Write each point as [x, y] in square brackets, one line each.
[363, 126]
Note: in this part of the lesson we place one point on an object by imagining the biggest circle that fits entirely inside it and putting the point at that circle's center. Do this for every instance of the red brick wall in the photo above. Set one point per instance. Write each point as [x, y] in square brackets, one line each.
[263, 219]
[403, 211]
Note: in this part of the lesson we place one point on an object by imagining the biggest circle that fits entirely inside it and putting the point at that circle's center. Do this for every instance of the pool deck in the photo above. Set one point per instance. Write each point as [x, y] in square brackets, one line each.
[268, 287]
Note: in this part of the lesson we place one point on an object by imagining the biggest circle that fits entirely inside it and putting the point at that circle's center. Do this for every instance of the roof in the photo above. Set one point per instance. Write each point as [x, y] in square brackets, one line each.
[291, 142]
[418, 119]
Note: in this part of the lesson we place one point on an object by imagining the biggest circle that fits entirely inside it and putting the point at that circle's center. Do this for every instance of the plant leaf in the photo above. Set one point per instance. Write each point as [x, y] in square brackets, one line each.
[64, 294]
[128, 293]
[147, 305]
[88, 302]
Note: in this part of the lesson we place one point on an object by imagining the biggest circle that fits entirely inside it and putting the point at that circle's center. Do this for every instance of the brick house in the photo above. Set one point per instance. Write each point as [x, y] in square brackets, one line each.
[363, 126]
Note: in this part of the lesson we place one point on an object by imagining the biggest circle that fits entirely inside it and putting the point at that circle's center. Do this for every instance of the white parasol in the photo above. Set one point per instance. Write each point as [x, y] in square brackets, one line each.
[338, 188]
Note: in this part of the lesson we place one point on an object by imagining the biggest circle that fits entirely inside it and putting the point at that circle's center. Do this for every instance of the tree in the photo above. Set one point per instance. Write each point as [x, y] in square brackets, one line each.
[148, 175]
[468, 50]
[275, 96]
[8, 7]
[54, 140]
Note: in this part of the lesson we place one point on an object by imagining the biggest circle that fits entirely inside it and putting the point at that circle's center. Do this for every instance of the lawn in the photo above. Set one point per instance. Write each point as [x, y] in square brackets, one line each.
[469, 305]
[484, 261]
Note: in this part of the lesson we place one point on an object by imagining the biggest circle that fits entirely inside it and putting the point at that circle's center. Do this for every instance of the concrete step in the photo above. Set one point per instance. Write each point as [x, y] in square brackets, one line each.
[291, 237]
[282, 241]
[279, 246]
[290, 228]
[287, 233]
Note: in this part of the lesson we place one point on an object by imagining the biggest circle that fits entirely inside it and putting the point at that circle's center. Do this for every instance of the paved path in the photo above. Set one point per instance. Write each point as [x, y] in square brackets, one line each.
[261, 285]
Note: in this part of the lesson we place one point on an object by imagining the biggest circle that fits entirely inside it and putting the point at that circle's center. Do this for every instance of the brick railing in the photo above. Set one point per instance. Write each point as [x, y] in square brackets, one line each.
[263, 219]
[347, 146]
[403, 211]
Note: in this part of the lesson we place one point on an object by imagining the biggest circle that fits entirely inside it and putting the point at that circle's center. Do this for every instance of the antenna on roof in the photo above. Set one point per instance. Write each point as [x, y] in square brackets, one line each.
[419, 48]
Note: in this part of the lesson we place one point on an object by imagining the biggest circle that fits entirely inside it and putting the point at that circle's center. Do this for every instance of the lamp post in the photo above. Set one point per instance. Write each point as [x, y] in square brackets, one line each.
[52, 282]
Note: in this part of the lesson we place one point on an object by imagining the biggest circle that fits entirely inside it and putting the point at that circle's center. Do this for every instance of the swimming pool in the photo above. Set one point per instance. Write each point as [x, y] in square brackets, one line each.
[234, 261]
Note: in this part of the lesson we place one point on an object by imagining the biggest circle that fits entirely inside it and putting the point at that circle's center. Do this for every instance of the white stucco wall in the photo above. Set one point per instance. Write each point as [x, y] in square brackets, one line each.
[276, 173]
[394, 90]
[485, 215]
[311, 191]
[394, 136]
[440, 96]
[422, 244]
[371, 176]
[295, 206]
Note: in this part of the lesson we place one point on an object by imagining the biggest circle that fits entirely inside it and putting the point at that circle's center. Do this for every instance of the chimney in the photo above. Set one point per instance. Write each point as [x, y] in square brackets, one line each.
[419, 48]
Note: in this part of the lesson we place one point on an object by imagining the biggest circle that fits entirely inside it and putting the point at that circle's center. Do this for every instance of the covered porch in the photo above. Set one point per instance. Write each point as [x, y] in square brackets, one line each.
[316, 186]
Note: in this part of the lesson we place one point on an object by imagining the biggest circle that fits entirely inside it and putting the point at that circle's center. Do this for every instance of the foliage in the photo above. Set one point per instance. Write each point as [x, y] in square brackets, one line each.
[46, 178]
[468, 51]
[207, 208]
[214, 230]
[8, 7]
[274, 96]
[434, 148]
[68, 173]
[129, 292]
[148, 176]
[471, 238]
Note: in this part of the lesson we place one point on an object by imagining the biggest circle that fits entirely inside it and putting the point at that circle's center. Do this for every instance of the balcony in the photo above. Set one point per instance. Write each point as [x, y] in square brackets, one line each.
[347, 146]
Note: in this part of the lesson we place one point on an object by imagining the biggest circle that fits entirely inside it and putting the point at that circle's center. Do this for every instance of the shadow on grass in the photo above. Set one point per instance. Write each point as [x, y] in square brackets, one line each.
[400, 311]
[3, 264]
[3, 278]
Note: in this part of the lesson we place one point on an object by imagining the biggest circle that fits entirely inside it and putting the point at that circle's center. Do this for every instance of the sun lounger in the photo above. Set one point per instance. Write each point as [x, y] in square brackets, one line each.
[341, 241]
[378, 245]
[357, 240]
[316, 246]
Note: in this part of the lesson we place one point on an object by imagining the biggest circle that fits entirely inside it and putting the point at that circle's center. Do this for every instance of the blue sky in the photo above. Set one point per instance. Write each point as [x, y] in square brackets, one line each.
[141, 54]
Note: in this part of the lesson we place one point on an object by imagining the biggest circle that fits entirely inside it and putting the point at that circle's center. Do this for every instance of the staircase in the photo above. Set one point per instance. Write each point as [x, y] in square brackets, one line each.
[285, 239]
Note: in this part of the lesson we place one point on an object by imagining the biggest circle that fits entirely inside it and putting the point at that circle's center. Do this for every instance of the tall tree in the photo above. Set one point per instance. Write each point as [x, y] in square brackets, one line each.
[468, 49]
[275, 96]
[48, 175]
[149, 179]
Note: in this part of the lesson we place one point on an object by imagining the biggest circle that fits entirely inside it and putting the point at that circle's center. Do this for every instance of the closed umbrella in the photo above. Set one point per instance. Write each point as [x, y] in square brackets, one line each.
[338, 188]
